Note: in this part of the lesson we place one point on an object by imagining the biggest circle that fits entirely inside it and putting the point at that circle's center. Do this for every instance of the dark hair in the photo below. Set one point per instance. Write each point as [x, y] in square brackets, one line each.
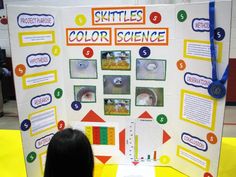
[69, 155]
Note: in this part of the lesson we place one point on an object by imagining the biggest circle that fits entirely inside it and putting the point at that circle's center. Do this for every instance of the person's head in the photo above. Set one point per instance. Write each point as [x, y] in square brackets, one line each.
[69, 155]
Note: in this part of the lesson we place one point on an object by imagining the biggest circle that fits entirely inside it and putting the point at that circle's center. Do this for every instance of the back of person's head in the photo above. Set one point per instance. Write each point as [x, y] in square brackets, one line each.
[69, 155]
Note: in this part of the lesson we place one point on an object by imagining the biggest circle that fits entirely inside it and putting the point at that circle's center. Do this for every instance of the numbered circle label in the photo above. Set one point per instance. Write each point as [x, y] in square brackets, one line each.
[212, 138]
[75, 105]
[208, 175]
[164, 159]
[20, 70]
[31, 157]
[155, 17]
[61, 125]
[181, 65]
[144, 52]
[161, 119]
[88, 52]
[80, 20]
[25, 125]
[56, 50]
[219, 34]
[182, 16]
[58, 93]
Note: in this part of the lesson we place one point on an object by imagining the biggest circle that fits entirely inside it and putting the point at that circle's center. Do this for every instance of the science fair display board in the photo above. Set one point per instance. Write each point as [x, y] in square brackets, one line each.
[133, 78]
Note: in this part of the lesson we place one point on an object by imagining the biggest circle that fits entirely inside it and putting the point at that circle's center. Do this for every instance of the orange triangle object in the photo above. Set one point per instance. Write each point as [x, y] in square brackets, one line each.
[103, 159]
[122, 141]
[91, 116]
[145, 115]
[166, 137]
[135, 163]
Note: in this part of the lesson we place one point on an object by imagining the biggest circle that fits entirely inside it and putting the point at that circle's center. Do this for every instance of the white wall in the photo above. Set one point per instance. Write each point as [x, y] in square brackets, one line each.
[4, 38]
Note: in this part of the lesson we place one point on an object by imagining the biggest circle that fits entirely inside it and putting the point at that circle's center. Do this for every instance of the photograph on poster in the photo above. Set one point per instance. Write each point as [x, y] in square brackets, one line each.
[85, 94]
[146, 96]
[83, 69]
[116, 84]
[117, 106]
[116, 60]
[150, 69]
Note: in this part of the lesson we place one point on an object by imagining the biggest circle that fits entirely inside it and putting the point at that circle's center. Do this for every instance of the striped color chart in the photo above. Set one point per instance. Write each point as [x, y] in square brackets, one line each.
[100, 135]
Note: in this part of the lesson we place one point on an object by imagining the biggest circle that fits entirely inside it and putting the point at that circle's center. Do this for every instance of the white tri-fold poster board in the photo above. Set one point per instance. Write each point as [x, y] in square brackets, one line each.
[133, 78]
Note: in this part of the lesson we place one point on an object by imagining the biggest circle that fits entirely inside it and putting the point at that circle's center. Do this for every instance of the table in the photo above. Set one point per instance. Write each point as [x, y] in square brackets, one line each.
[12, 159]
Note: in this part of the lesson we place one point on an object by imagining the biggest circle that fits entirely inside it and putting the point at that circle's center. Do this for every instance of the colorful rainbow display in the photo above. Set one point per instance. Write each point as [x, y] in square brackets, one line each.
[100, 135]
[92, 36]
[118, 15]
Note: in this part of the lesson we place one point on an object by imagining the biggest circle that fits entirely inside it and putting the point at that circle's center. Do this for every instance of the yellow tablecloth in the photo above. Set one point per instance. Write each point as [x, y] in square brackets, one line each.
[12, 160]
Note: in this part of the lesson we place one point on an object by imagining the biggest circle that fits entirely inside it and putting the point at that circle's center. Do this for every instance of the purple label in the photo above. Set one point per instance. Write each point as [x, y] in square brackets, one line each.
[197, 80]
[38, 60]
[41, 100]
[201, 25]
[25, 20]
[194, 142]
[44, 141]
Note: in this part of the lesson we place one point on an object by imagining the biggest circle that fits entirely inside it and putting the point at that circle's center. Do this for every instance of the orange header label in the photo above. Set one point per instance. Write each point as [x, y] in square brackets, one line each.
[118, 16]
[141, 36]
[88, 36]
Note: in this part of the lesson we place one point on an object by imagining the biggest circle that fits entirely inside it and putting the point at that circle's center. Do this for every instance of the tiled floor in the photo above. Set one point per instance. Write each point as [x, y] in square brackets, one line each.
[230, 122]
[10, 119]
